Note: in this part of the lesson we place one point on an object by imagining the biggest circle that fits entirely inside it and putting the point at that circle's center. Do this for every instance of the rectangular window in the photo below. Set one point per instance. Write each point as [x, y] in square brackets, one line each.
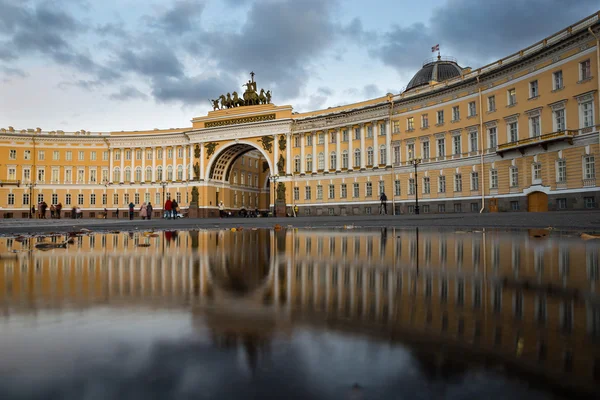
[473, 141]
[11, 199]
[557, 80]
[170, 154]
[80, 199]
[396, 188]
[333, 137]
[442, 184]
[561, 204]
[424, 121]
[12, 174]
[457, 207]
[533, 89]
[80, 156]
[80, 176]
[441, 148]
[321, 138]
[559, 120]
[455, 113]
[472, 109]
[69, 155]
[589, 167]
[514, 177]
[345, 135]
[307, 193]
[55, 173]
[585, 70]
[116, 198]
[491, 103]
[319, 192]
[561, 171]
[441, 208]
[410, 124]
[105, 156]
[27, 155]
[343, 191]
[40, 198]
[513, 131]
[458, 183]
[440, 117]
[511, 95]
[296, 193]
[136, 198]
[41, 175]
[309, 139]
[456, 145]
[381, 188]
[534, 126]
[93, 199]
[68, 199]
[25, 199]
[356, 190]
[537, 172]
[93, 175]
[68, 175]
[26, 174]
[41, 155]
[587, 114]
[126, 198]
[93, 156]
[493, 137]
[370, 132]
[12, 155]
[369, 189]
[411, 186]
[382, 130]
[410, 148]
[105, 199]
[425, 150]
[396, 125]
[589, 203]
[514, 205]
[127, 154]
[426, 185]
[331, 191]
[55, 155]
[474, 180]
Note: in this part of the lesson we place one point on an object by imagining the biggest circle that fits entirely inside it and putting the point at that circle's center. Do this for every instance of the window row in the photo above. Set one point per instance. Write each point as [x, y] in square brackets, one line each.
[344, 162]
[149, 153]
[103, 198]
[56, 155]
[345, 135]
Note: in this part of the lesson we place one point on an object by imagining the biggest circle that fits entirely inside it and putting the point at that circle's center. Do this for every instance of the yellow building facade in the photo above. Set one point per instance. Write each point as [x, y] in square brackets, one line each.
[520, 134]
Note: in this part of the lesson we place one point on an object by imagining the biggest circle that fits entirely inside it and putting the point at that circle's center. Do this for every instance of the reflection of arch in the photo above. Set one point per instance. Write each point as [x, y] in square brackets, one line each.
[537, 202]
[218, 167]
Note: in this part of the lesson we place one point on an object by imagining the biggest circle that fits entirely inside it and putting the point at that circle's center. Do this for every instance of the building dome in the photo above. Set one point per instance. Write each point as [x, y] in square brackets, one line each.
[438, 69]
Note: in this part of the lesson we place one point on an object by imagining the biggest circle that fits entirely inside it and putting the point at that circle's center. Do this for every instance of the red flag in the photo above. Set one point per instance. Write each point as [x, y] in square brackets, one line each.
[435, 48]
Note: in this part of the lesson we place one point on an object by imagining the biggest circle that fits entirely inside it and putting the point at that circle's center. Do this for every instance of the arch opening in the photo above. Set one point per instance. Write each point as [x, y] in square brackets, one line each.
[537, 202]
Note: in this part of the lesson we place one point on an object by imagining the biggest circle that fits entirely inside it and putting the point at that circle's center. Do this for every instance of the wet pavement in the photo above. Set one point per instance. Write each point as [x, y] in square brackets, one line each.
[320, 313]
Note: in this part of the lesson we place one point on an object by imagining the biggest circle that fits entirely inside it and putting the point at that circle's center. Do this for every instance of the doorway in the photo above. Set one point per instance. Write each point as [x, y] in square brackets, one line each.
[537, 202]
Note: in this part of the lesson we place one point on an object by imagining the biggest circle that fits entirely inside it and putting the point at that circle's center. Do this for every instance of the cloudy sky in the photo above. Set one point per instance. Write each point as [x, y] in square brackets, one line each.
[144, 64]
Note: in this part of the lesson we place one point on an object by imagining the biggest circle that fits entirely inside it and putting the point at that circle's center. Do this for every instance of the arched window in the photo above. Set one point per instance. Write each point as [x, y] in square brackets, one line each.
[356, 158]
[333, 160]
[180, 172]
[321, 164]
[149, 174]
[127, 174]
[345, 159]
[297, 164]
[159, 174]
[242, 179]
[170, 173]
[235, 177]
[369, 156]
[138, 174]
[382, 154]
[309, 163]
[117, 174]
[249, 181]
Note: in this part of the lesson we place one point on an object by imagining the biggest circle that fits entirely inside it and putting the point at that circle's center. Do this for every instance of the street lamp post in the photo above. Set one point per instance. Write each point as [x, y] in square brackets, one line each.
[274, 177]
[30, 185]
[164, 185]
[415, 162]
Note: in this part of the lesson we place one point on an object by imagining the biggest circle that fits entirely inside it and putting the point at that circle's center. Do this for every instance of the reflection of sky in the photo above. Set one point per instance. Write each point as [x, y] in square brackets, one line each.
[145, 354]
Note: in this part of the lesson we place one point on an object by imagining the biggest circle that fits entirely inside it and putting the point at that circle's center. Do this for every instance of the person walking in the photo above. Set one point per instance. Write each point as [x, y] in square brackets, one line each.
[143, 211]
[383, 208]
[149, 210]
[168, 205]
[43, 209]
[131, 208]
[58, 210]
[174, 208]
[52, 210]
[221, 209]
[117, 213]
[105, 213]
[78, 212]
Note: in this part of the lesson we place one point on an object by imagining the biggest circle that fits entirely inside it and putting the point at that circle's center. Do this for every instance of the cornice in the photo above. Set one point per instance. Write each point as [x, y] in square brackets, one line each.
[242, 131]
[343, 119]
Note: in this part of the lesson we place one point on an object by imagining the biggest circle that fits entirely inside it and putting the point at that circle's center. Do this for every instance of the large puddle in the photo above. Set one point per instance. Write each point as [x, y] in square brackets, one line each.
[300, 314]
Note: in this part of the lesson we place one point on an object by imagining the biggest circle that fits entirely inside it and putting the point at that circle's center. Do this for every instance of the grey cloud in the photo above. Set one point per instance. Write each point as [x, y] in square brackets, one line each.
[111, 29]
[236, 3]
[315, 102]
[371, 91]
[192, 90]
[325, 91]
[182, 17]
[13, 72]
[128, 93]
[156, 61]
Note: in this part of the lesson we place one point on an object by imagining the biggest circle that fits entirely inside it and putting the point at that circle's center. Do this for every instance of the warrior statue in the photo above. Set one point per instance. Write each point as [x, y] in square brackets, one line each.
[268, 96]
[215, 104]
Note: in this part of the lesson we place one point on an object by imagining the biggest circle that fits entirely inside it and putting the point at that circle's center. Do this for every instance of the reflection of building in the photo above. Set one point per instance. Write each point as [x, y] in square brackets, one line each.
[524, 300]
[518, 134]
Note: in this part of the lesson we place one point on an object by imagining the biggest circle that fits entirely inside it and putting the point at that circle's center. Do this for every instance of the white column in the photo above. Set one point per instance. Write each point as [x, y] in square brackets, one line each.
[110, 167]
[164, 163]
[185, 167]
[122, 177]
[201, 161]
[350, 148]
[338, 149]
[326, 134]
[143, 164]
[288, 158]
[132, 178]
[302, 156]
[174, 163]
[276, 154]
[363, 149]
[375, 144]
[153, 164]
[388, 143]
[315, 158]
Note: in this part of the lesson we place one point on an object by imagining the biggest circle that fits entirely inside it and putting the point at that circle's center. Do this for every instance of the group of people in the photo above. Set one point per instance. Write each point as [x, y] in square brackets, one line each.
[43, 207]
[171, 209]
[145, 210]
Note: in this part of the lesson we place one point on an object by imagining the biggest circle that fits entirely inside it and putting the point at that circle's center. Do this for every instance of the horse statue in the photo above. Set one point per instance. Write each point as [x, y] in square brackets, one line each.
[215, 104]
[236, 101]
[250, 96]
[224, 103]
[229, 102]
[262, 99]
[268, 96]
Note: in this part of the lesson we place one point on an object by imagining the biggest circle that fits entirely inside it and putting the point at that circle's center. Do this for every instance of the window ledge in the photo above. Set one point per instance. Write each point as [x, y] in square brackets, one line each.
[585, 80]
[439, 124]
[533, 98]
[425, 127]
[472, 116]
[491, 111]
[558, 89]
[511, 105]
[409, 130]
